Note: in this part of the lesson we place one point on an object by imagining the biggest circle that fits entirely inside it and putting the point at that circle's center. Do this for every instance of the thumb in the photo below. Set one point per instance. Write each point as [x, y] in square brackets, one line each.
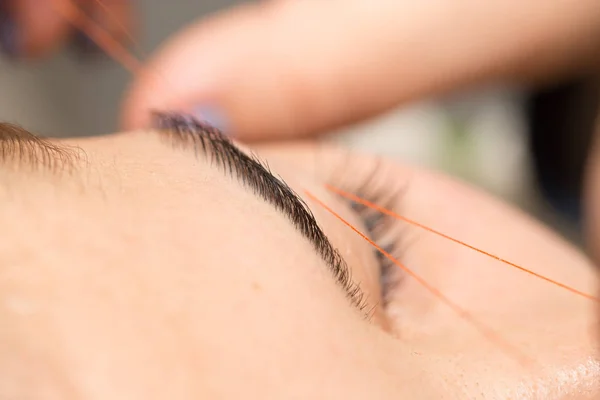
[294, 68]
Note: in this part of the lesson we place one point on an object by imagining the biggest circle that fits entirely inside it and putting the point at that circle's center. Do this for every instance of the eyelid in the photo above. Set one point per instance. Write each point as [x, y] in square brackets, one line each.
[375, 182]
[188, 133]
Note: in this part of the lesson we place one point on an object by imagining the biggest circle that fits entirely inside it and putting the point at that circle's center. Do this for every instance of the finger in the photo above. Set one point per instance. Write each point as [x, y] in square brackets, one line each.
[286, 68]
[36, 28]
[293, 68]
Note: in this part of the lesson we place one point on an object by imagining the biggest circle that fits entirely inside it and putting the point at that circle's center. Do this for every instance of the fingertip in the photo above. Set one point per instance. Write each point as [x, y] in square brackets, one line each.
[200, 67]
[145, 94]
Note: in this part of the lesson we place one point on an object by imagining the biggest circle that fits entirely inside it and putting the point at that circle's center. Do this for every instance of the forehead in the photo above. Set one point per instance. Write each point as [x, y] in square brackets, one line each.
[108, 290]
[132, 199]
[124, 191]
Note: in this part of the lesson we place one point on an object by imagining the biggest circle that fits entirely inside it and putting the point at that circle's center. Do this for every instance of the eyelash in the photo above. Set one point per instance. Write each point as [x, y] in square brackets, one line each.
[386, 231]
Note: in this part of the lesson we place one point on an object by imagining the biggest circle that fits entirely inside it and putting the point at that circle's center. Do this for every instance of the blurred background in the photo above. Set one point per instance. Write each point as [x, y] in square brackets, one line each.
[527, 145]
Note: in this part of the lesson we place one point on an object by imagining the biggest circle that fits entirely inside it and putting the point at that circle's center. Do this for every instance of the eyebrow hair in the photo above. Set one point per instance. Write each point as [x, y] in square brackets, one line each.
[188, 132]
[29, 151]
[32, 152]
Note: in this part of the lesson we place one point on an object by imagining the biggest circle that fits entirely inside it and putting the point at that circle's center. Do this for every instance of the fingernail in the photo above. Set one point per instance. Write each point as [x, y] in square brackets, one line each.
[212, 116]
[85, 46]
[8, 34]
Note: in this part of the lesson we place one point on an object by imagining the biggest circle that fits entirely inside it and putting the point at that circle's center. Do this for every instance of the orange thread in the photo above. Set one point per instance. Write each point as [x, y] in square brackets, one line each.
[103, 39]
[486, 331]
[383, 210]
[117, 22]
[112, 47]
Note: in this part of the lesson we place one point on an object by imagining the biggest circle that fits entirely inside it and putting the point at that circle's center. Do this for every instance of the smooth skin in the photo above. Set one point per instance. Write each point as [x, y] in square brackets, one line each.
[150, 274]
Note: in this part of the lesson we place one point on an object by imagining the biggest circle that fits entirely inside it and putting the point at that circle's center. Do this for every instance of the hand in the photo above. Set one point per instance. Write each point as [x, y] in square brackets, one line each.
[32, 29]
[295, 68]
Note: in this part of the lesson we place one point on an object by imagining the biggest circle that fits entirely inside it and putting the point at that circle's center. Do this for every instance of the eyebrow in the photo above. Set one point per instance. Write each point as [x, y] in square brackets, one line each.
[25, 150]
[33, 153]
[190, 133]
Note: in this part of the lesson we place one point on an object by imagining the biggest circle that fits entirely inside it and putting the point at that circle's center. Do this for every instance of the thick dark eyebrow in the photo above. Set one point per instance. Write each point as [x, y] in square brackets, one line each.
[190, 133]
[20, 148]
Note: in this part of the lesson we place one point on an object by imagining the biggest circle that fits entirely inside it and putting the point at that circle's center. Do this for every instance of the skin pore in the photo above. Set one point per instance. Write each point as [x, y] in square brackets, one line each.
[137, 266]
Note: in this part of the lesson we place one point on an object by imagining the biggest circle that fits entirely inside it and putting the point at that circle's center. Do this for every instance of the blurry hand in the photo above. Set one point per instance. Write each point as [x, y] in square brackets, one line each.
[35, 28]
[284, 69]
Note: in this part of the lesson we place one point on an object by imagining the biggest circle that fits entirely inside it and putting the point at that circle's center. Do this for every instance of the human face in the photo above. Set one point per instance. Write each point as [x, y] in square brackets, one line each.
[167, 265]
